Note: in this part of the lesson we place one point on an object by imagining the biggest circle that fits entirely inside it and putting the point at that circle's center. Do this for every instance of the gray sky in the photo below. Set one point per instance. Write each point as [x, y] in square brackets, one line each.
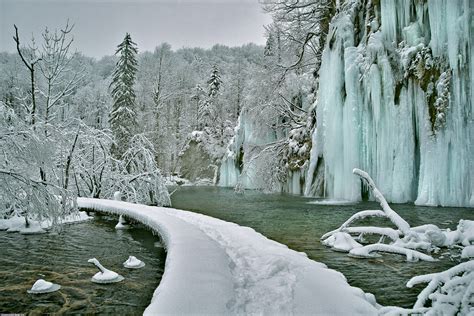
[101, 24]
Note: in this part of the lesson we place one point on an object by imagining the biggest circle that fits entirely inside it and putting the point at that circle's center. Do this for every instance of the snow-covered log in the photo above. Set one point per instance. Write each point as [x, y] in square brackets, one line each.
[353, 218]
[220, 268]
[406, 240]
[384, 231]
[341, 241]
[401, 224]
[366, 252]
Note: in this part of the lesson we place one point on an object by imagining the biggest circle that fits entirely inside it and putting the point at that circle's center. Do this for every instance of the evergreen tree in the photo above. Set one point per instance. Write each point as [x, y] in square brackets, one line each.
[214, 82]
[123, 116]
[209, 111]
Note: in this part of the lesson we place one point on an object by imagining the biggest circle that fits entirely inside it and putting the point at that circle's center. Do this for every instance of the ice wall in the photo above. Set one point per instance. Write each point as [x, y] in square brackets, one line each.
[241, 165]
[396, 99]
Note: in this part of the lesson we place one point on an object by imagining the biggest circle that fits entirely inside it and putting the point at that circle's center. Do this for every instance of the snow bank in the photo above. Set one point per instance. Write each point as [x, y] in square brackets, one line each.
[17, 223]
[217, 267]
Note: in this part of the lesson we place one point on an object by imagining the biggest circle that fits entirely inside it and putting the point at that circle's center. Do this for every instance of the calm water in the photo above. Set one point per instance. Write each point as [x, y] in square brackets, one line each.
[292, 221]
[63, 259]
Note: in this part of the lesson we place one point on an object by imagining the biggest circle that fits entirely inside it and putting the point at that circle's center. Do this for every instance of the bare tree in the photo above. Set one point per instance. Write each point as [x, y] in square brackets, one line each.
[30, 64]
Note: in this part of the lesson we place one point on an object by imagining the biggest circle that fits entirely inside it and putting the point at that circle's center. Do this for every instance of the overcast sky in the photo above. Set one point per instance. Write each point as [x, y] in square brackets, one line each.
[101, 24]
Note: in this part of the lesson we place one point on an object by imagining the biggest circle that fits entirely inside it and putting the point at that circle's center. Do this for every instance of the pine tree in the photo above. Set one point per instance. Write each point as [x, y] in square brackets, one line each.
[209, 111]
[122, 118]
[214, 82]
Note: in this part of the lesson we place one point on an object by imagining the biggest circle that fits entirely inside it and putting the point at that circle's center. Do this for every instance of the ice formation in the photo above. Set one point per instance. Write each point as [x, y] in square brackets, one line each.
[395, 98]
[398, 101]
[404, 240]
[41, 286]
[104, 275]
[220, 268]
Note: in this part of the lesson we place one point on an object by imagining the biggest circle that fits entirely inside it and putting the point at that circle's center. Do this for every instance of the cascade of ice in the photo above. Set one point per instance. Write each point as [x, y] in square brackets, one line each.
[239, 166]
[399, 103]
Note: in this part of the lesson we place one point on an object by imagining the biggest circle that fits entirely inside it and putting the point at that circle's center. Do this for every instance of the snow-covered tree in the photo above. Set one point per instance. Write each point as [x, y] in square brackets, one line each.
[137, 175]
[123, 115]
[214, 82]
[210, 111]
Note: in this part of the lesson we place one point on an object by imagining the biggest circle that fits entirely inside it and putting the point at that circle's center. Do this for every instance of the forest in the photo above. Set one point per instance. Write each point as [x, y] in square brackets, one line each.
[349, 106]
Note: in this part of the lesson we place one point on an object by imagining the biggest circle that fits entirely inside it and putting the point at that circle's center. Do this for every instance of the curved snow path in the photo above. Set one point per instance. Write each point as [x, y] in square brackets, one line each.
[217, 267]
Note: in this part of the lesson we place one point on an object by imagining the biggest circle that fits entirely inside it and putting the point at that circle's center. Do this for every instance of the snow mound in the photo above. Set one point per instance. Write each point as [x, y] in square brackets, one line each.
[133, 263]
[217, 267]
[41, 286]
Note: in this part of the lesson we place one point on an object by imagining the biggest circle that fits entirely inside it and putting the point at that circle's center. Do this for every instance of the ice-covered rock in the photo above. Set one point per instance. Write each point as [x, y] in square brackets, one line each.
[104, 275]
[122, 224]
[42, 286]
[133, 263]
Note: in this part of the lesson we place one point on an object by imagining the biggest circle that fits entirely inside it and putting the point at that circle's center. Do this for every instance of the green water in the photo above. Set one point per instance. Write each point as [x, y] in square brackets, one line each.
[63, 259]
[292, 221]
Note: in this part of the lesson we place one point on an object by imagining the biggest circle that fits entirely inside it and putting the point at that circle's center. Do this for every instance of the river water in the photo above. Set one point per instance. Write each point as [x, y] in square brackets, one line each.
[288, 219]
[291, 220]
[63, 259]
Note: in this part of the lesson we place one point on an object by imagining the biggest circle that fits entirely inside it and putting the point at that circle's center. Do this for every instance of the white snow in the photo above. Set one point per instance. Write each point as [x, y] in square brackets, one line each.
[133, 263]
[104, 275]
[468, 252]
[122, 224]
[17, 223]
[405, 241]
[42, 286]
[341, 241]
[332, 202]
[367, 252]
[450, 292]
[217, 267]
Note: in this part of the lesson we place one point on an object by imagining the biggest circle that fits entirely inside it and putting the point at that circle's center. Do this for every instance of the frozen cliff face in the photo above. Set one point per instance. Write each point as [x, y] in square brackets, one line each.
[396, 98]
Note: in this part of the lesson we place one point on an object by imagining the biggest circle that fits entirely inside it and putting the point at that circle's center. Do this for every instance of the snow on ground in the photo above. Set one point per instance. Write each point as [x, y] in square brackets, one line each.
[217, 267]
[17, 223]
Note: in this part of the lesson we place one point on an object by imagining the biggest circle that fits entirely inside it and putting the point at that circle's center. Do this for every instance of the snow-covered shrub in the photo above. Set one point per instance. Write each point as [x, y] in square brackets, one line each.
[32, 169]
[403, 239]
[137, 175]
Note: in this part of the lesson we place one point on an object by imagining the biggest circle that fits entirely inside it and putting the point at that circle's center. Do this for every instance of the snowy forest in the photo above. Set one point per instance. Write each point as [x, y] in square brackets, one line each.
[349, 106]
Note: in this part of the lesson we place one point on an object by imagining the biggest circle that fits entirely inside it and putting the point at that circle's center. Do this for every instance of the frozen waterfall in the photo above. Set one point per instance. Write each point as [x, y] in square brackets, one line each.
[381, 103]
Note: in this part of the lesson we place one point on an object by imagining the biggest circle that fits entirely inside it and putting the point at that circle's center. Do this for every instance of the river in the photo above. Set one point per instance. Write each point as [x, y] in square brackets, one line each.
[291, 220]
[62, 259]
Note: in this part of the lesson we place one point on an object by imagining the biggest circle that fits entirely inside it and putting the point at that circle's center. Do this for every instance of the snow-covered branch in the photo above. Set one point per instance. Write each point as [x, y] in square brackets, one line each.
[406, 240]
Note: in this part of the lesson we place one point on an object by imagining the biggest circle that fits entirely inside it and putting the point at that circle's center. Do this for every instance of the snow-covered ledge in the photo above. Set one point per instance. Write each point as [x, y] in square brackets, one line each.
[217, 267]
